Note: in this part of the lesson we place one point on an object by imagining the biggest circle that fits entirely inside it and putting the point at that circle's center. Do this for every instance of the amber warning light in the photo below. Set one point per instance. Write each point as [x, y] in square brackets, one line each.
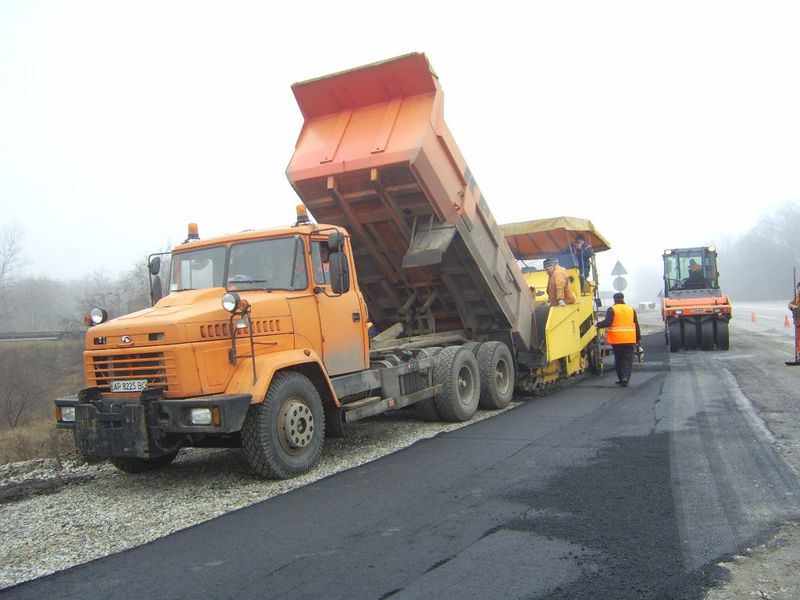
[302, 215]
[192, 233]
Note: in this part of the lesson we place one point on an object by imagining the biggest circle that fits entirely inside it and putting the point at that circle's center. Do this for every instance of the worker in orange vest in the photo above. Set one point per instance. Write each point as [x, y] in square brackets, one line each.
[794, 306]
[624, 336]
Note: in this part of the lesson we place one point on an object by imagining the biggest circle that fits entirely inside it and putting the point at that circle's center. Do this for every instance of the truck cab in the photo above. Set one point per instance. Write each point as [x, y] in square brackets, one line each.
[690, 269]
[240, 310]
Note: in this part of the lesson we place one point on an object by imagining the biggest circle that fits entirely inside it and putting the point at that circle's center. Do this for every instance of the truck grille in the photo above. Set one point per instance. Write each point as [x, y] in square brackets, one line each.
[158, 368]
[221, 330]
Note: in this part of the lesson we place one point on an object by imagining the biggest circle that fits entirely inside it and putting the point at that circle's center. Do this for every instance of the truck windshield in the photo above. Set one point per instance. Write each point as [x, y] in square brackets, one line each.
[276, 264]
[197, 269]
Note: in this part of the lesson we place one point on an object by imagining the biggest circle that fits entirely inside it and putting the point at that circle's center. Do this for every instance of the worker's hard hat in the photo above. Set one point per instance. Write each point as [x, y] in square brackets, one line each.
[550, 262]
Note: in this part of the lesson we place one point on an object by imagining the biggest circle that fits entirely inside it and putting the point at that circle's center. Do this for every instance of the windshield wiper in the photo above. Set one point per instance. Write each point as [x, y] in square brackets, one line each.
[243, 285]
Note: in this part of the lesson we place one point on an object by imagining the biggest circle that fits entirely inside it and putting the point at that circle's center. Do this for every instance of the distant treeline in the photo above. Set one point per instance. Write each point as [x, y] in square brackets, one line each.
[44, 304]
[758, 265]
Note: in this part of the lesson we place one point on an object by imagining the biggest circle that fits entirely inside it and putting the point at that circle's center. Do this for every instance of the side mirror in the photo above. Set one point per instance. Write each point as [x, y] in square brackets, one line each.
[339, 272]
[156, 293]
[155, 265]
[336, 241]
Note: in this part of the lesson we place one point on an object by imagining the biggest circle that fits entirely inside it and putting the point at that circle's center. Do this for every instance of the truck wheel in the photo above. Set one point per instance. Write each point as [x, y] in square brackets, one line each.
[426, 409]
[496, 370]
[456, 370]
[707, 335]
[723, 341]
[283, 436]
[472, 347]
[675, 337]
[690, 334]
[141, 465]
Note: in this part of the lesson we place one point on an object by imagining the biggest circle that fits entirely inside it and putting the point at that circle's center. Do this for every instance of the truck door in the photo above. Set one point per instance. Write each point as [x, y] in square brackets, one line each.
[342, 320]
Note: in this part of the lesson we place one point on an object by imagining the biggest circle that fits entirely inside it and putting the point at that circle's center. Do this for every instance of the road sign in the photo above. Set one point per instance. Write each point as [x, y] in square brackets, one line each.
[620, 284]
[619, 269]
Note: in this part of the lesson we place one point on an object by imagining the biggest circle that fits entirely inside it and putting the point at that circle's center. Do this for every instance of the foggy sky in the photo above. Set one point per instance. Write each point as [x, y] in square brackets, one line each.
[667, 124]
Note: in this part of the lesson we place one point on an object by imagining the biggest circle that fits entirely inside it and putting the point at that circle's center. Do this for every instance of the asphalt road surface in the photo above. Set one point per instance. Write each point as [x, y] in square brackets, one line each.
[593, 491]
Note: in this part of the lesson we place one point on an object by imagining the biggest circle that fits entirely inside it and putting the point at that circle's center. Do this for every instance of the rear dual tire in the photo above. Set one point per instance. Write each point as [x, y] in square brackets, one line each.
[456, 370]
[496, 369]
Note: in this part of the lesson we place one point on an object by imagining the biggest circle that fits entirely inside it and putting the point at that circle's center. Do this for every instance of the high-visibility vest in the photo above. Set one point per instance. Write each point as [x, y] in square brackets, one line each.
[623, 327]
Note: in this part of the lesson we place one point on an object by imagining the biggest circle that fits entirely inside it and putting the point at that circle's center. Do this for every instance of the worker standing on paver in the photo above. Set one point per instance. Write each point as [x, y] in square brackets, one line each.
[559, 292]
[624, 336]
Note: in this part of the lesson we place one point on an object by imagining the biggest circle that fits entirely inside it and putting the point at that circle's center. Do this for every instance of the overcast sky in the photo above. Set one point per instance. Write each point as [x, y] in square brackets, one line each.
[666, 123]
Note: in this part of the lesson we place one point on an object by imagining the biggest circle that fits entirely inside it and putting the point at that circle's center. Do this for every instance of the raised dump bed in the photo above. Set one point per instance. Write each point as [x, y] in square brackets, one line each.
[376, 157]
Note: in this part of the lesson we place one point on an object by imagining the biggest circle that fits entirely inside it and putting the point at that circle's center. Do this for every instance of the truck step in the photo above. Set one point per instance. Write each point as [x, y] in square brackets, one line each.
[361, 403]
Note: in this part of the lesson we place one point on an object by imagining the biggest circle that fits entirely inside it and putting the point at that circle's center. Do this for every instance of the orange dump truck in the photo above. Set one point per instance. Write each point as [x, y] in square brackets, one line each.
[263, 337]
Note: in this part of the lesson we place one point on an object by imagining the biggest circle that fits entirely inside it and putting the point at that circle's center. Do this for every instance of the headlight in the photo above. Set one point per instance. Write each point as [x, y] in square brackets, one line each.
[230, 301]
[200, 416]
[98, 315]
[679, 312]
[67, 414]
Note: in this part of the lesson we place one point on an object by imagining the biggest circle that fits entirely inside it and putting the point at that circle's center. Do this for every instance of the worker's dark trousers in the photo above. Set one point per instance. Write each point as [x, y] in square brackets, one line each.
[623, 360]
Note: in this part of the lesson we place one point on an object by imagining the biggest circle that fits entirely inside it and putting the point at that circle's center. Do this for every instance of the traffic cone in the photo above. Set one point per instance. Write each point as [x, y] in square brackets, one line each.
[786, 322]
[752, 317]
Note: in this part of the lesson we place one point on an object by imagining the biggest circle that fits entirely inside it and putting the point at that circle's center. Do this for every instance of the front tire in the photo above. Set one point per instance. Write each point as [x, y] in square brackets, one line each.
[707, 335]
[675, 336]
[690, 334]
[722, 335]
[282, 437]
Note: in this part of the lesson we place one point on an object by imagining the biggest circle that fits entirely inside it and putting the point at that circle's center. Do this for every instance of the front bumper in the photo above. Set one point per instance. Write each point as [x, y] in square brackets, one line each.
[148, 425]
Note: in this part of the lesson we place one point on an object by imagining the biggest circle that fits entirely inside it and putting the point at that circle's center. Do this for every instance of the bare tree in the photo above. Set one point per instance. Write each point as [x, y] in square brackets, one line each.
[10, 260]
[128, 292]
[27, 375]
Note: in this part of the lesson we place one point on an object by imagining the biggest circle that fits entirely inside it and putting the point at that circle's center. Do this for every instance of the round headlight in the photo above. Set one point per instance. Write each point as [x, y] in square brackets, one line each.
[98, 315]
[230, 301]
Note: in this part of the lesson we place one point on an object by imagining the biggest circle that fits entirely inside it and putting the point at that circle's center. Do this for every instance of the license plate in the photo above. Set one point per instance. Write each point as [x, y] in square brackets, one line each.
[129, 385]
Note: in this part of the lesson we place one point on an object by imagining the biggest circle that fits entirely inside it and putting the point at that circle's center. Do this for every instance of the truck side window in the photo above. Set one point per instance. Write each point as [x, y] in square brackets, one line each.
[320, 263]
